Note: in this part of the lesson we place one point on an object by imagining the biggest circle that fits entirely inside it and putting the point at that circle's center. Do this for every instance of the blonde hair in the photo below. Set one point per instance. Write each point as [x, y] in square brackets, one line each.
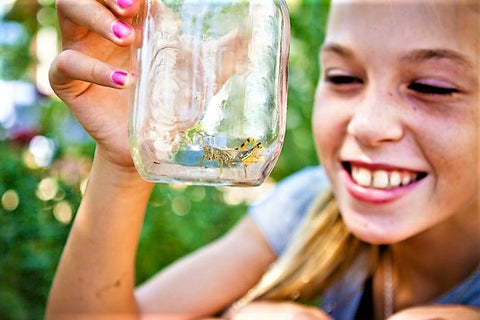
[320, 252]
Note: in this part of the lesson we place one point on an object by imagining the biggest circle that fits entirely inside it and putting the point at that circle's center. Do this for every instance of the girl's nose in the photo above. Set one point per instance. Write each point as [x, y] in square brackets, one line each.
[375, 122]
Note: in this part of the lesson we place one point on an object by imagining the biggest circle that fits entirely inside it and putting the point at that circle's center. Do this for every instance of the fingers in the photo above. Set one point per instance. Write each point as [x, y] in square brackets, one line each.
[71, 65]
[124, 8]
[110, 19]
[278, 311]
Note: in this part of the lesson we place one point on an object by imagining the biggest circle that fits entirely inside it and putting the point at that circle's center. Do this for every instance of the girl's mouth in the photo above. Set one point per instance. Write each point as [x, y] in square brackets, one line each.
[381, 178]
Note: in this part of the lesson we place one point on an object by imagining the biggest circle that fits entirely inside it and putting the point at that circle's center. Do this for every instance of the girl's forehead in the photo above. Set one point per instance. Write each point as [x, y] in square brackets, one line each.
[472, 3]
[401, 24]
[429, 9]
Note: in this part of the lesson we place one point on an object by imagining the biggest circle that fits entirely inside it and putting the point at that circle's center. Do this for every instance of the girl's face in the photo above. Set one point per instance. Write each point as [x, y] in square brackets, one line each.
[396, 117]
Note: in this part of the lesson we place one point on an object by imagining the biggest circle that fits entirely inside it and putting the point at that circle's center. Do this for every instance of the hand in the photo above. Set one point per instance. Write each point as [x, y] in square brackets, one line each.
[91, 73]
[277, 311]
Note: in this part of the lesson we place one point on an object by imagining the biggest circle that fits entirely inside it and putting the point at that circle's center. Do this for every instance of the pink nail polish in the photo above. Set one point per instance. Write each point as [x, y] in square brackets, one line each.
[119, 77]
[120, 29]
[124, 3]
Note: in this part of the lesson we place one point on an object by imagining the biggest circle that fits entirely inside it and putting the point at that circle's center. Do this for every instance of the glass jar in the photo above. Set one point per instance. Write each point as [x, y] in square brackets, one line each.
[209, 103]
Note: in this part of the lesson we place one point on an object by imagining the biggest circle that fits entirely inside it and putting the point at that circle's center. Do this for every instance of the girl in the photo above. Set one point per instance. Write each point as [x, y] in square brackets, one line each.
[387, 228]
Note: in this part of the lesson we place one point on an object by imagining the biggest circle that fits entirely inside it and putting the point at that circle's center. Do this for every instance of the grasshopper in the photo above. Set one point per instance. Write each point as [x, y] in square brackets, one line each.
[233, 156]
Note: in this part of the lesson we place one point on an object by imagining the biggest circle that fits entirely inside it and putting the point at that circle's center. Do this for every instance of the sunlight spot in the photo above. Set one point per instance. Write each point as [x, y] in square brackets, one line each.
[29, 160]
[181, 206]
[83, 186]
[10, 200]
[47, 189]
[42, 149]
[198, 193]
[63, 212]
[177, 187]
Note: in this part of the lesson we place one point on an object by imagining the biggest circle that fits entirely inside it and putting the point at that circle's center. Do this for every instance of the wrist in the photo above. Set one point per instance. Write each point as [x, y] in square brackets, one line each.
[122, 175]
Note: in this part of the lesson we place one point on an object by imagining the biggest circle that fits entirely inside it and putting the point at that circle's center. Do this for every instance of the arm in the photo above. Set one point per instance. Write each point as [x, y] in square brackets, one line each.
[438, 312]
[95, 274]
[95, 277]
[96, 271]
[208, 281]
[278, 311]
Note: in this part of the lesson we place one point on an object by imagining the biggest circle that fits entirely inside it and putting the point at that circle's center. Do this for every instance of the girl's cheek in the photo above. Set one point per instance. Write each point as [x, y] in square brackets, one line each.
[325, 128]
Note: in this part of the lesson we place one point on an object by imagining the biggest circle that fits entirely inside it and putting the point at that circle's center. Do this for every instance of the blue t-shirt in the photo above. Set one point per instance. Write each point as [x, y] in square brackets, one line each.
[282, 212]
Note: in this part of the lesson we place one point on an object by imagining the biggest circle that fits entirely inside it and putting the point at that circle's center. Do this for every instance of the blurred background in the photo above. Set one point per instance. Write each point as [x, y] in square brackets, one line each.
[45, 158]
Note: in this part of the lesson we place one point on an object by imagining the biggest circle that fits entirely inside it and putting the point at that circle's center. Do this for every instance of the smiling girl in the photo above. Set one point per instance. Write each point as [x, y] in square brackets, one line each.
[388, 227]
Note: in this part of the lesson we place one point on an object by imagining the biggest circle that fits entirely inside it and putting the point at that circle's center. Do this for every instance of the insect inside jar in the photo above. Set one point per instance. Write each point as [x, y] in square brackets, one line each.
[229, 156]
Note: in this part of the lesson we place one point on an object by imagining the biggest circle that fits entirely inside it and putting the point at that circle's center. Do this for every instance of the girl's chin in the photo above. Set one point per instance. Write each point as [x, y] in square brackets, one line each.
[373, 229]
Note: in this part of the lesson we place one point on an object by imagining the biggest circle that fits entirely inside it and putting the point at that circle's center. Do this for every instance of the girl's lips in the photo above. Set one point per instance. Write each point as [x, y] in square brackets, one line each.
[367, 192]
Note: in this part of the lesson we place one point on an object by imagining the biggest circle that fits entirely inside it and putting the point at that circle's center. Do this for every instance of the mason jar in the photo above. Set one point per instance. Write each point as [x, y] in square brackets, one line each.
[209, 103]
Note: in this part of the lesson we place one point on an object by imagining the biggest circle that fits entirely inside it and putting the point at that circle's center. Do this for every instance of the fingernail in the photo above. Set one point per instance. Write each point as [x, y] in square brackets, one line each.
[119, 77]
[120, 29]
[124, 3]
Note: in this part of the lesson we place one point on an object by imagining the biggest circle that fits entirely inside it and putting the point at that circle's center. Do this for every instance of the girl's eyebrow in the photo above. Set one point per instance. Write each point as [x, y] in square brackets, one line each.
[338, 49]
[414, 56]
[437, 54]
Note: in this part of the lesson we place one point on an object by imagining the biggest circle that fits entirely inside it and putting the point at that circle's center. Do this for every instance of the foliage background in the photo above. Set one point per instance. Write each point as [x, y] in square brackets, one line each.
[38, 202]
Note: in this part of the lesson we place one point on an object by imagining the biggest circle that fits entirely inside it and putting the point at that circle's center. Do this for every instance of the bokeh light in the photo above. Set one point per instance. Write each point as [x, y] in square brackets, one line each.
[5, 6]
[181, 205]
[47, 189]
[10, 200]
[63, 212]
[42, 149]
[83, 186]
[248, 195]
[198, 193]
[29, 160]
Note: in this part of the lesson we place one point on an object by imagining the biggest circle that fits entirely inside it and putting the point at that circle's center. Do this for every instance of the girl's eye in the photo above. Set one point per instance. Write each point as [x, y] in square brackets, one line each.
[342, 79]
[432, 90]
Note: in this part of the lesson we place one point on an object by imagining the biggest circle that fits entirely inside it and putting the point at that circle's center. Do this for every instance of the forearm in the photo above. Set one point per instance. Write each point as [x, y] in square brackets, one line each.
[96, 272]
[438, 312]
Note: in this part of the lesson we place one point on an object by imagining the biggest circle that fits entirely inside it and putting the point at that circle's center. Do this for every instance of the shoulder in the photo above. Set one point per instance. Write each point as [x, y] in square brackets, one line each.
[302, 185]
[281, 211]
[466, 293]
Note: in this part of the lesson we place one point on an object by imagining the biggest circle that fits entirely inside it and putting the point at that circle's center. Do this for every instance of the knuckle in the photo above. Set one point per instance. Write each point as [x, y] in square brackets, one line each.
[64, 61]
[307, 313]
[96, 71]
[62, 5]
[53, 68]
[301, 315]
[98, 18]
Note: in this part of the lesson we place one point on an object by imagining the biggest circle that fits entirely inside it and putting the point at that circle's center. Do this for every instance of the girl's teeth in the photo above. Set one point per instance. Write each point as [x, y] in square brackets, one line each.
[363, 177]
[381, 179]
[406, 179]
[395, 179]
